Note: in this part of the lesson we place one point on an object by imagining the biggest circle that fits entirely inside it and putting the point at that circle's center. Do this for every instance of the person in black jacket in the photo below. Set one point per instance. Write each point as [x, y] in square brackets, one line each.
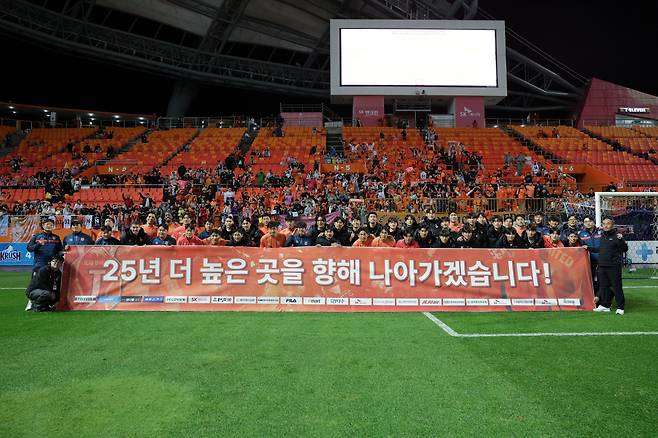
[532, 238]
[43, 290]
[327, 238]
[135, 235]
[444, 240]
[611, 254]
[424, 237]
[106, 237]
[467, 238]
[495, 232]
[510, 240]
[341, 233]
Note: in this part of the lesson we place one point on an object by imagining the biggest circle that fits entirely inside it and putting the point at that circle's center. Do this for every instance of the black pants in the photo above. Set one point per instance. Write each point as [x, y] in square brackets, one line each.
[595, 276]
[609, 284]
[42, 299]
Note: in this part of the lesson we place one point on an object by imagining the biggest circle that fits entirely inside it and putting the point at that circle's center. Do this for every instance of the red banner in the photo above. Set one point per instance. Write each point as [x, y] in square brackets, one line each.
[204, 278]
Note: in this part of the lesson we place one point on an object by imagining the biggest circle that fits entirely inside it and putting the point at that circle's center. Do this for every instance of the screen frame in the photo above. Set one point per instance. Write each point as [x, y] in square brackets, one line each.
[337, 89]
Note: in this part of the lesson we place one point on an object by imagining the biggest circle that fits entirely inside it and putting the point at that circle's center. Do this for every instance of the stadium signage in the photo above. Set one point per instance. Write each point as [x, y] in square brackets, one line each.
[632, 109]
[342, 280]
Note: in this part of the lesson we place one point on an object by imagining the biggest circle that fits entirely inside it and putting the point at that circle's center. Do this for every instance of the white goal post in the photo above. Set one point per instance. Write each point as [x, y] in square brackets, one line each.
[637, 213]
[599, 197]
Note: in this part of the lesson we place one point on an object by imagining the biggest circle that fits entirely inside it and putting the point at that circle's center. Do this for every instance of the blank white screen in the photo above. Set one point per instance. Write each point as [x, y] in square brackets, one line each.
[418, 57]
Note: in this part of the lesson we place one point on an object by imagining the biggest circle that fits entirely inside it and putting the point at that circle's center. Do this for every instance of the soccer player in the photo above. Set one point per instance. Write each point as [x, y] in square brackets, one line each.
[383, 240]
[408, 241]
[106, 237]
[273, 239]
[163, 238]
[189, 239]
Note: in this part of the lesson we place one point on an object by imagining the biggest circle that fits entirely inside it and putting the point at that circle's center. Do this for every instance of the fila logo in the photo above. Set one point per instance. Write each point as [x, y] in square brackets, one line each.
[291, 300]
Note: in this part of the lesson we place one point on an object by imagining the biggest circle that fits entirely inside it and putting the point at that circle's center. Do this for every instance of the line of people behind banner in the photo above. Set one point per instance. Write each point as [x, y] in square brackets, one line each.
[430, 232]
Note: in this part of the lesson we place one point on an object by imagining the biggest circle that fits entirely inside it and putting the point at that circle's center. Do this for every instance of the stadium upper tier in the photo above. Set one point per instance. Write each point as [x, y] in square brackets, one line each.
[611, 153]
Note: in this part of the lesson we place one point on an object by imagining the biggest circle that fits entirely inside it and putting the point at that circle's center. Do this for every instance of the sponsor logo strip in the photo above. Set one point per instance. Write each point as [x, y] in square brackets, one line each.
[268, 300]
[153, 299]
[245, 300]
[131, 299]
[109, 299]
[176, 299]
[500, 302]
[454, 302]
[569, 301]
[314, 300]
[523, 302]
[407, 301]
[383, 301]
[84, 299]
[545, 302]
[337, 301]
[221, 300]
[430, 301]
[360, 301]
[198, 300]
[477, 302]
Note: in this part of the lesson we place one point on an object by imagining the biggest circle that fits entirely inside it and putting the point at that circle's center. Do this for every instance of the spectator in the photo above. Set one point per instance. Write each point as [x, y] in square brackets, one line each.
[424, 238]
[363, 238]
[151, 226]
[445, 240]
[215, 239]
[533, 239]
[510, 240]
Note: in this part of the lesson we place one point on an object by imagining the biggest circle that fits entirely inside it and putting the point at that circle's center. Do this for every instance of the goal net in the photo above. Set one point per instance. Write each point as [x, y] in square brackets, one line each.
[636, 216]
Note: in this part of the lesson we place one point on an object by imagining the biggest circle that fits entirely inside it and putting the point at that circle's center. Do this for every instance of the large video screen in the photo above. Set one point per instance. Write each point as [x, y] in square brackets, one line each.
[399, 58]
[418, 57]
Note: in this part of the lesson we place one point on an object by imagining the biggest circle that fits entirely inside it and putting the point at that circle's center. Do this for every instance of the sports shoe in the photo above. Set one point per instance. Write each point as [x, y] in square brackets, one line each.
[619, 312]
[602, 309]
[28, 307]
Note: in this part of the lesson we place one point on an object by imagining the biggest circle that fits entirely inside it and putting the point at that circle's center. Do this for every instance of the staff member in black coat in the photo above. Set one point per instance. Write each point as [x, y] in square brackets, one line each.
[611, 254]
[43, 290]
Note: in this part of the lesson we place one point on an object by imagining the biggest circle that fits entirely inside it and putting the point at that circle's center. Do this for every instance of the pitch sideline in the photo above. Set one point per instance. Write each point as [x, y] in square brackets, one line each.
[446, 328]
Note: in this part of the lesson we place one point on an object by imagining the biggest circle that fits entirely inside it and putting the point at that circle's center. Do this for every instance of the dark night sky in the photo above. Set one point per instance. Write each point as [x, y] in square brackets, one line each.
[596, 38]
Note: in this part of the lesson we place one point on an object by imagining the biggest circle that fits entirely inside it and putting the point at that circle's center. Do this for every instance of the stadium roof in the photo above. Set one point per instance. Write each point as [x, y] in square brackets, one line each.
[271, 45]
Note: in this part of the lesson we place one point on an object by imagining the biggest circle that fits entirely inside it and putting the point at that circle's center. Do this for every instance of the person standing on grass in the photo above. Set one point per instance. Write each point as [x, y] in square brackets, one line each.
[44, 245]
[77, 237]
[43, 290]
[612, 247]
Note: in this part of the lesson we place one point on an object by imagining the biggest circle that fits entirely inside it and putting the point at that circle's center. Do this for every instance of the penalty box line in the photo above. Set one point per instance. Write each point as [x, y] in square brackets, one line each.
[446, 328]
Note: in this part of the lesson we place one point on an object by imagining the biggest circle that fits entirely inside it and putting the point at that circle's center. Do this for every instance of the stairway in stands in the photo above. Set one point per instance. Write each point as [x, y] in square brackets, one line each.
[335, 141]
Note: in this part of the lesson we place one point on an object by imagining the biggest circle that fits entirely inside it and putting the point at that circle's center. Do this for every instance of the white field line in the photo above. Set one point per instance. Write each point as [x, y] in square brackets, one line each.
[446, 328]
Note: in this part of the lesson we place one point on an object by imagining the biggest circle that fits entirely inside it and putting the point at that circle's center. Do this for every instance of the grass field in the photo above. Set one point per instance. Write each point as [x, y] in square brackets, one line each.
[74, 374]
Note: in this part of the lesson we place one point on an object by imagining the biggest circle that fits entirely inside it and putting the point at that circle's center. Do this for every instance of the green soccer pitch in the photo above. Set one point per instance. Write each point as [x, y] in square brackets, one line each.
[73, 374]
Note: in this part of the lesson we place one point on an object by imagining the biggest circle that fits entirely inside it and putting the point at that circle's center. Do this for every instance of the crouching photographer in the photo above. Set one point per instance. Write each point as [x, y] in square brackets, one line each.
[43, 290]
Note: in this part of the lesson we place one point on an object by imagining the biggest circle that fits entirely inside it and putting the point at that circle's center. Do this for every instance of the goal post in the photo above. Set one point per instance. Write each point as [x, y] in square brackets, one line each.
[636, 215]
